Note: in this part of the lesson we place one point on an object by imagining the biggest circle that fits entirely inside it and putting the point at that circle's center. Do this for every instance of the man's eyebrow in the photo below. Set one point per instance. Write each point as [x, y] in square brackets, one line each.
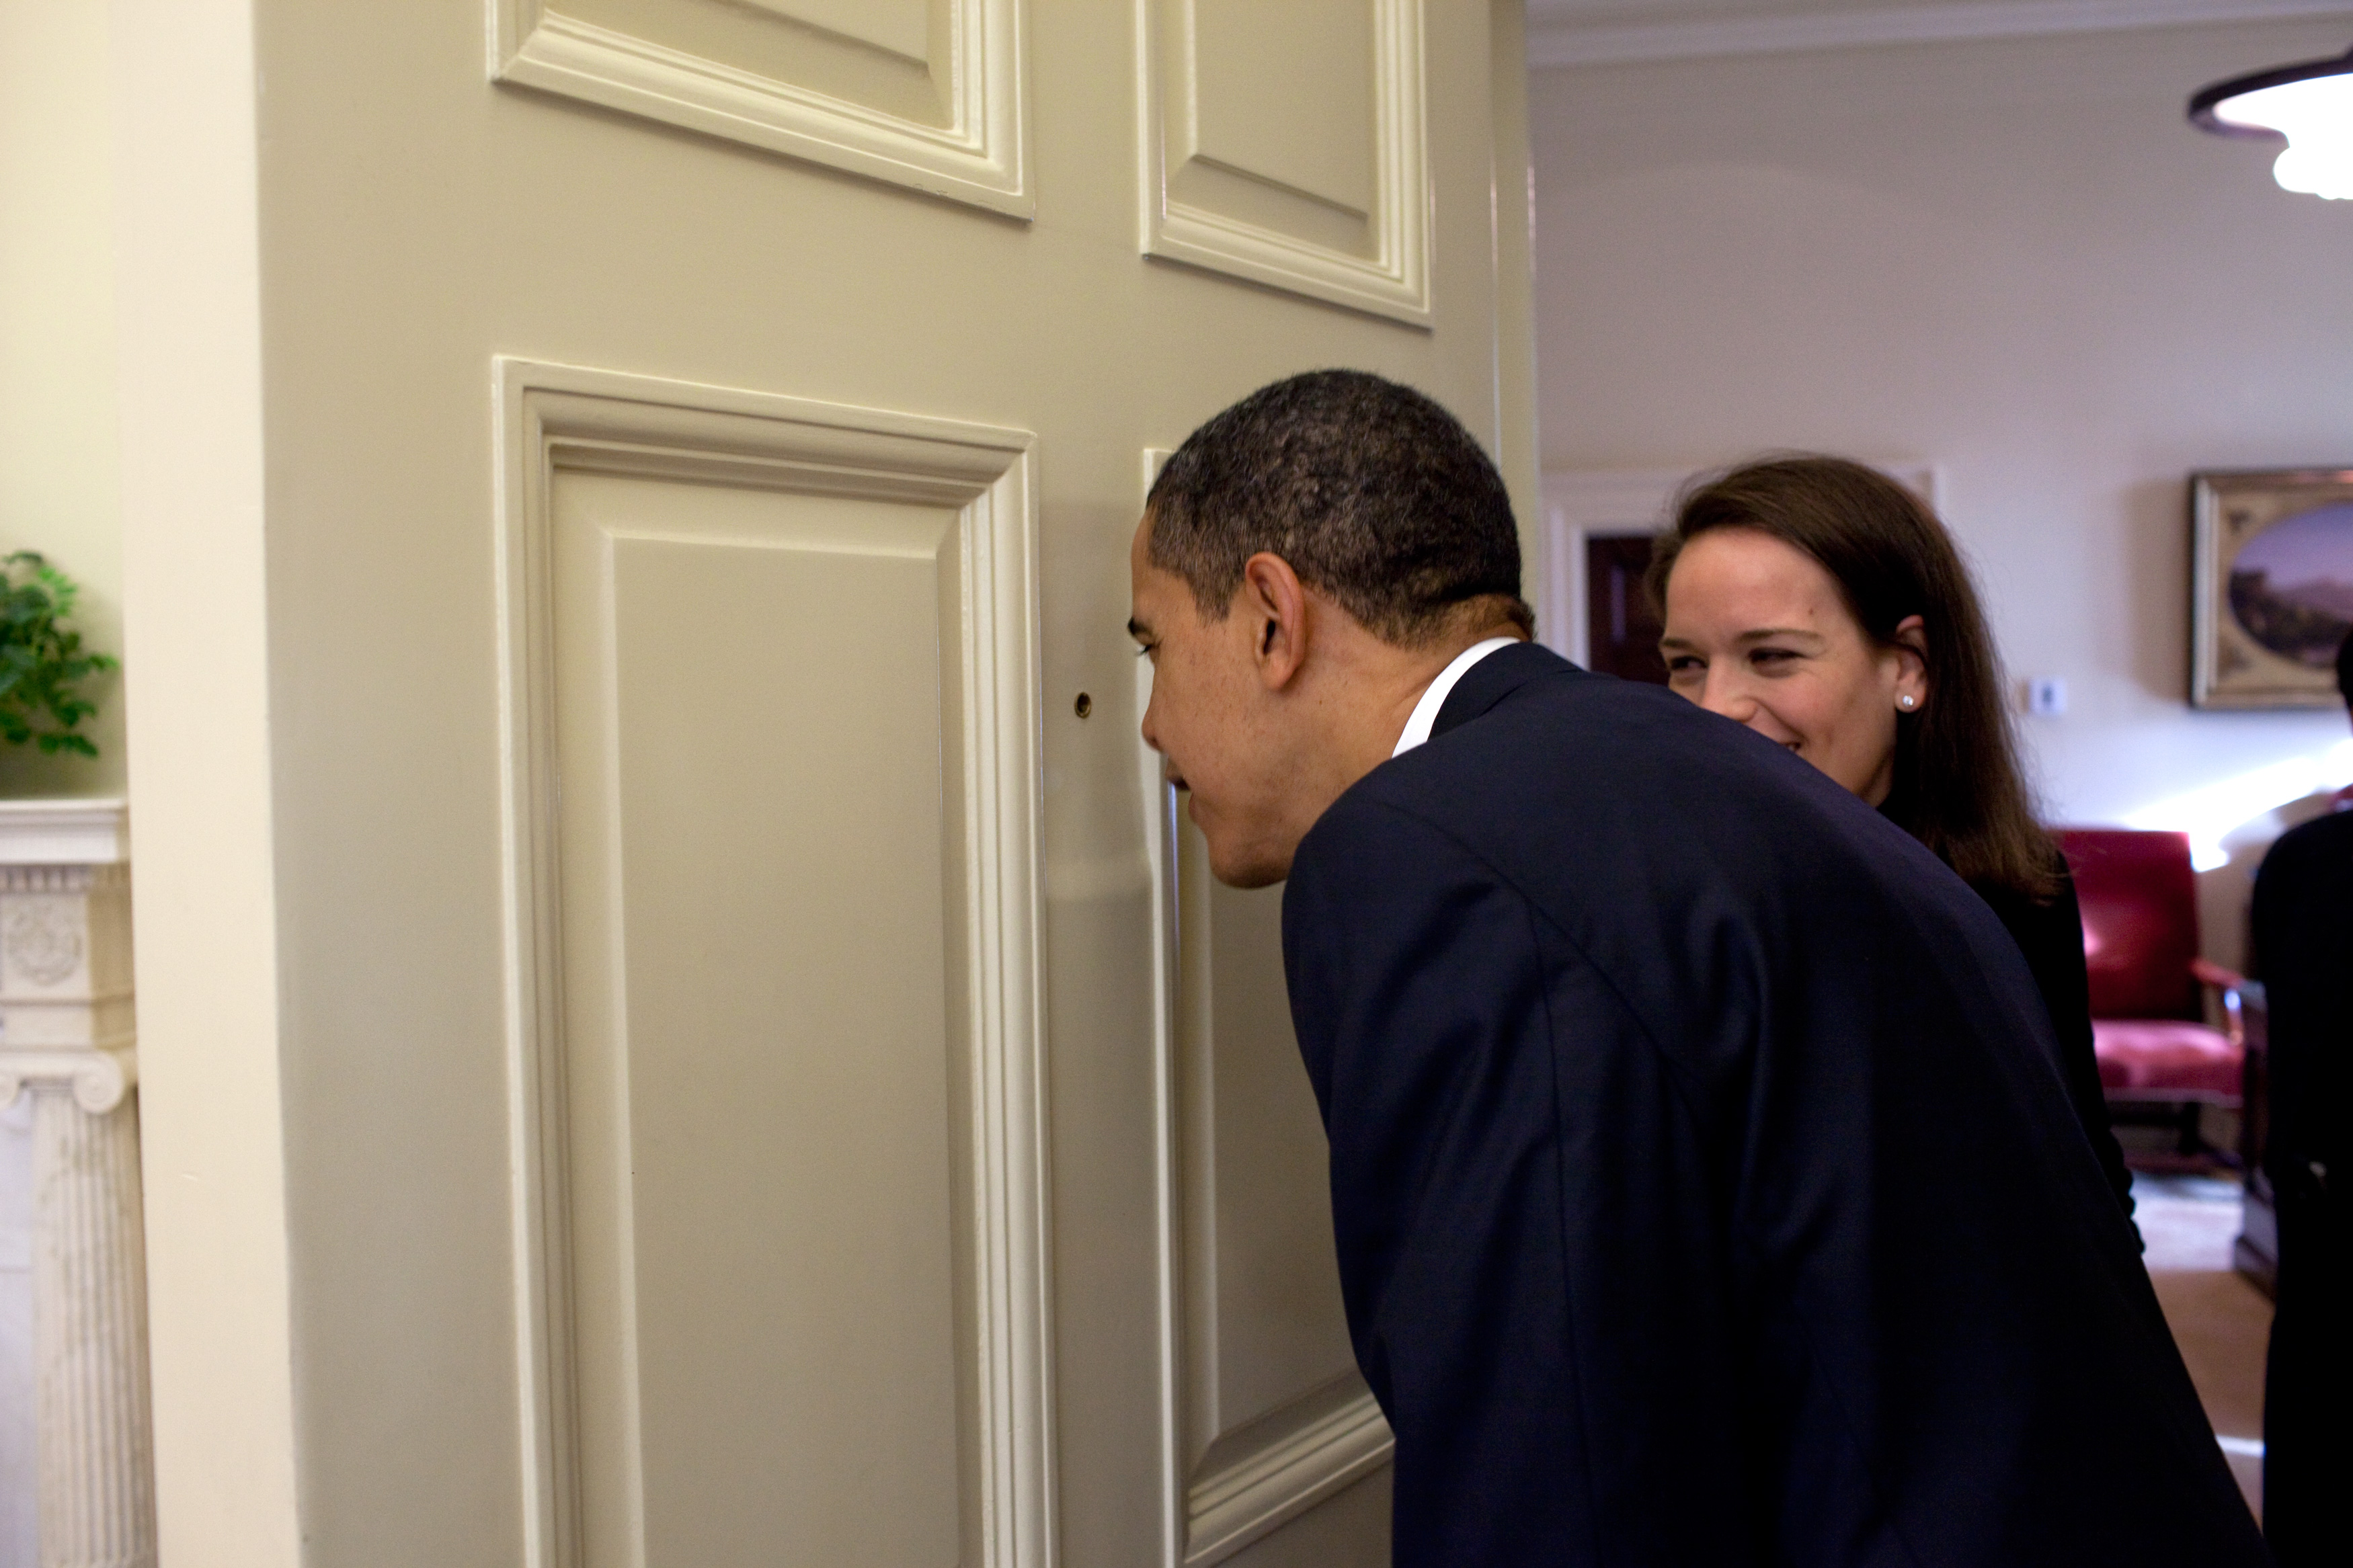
[1138, 630]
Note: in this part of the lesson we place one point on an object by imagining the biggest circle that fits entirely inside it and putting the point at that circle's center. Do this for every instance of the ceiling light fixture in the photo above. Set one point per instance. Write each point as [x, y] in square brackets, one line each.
[2308, 106]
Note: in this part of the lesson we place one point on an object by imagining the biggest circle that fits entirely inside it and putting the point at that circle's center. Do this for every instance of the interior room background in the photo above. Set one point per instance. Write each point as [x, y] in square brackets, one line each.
[2012, 259]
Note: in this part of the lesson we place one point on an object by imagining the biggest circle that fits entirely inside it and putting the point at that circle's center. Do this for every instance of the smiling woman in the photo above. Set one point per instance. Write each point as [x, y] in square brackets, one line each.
[1861, 646]
[1821, 605]
[1764, 636]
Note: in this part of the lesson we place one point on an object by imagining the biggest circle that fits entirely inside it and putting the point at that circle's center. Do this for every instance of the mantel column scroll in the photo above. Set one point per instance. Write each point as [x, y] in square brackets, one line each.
[66, 1039]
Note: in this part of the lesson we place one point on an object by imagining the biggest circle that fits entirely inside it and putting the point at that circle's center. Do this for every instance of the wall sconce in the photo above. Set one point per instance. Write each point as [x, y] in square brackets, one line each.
[2308, 106]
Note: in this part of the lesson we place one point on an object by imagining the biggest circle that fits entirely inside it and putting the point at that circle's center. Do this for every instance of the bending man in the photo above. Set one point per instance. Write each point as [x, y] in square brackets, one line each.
[1703, 1189]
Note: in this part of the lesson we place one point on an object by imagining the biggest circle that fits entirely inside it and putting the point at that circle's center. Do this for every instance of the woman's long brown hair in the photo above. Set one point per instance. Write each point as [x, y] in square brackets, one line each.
[1958, 787]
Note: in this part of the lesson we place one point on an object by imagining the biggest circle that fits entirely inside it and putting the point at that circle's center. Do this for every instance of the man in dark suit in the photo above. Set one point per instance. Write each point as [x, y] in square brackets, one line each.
[1704, 1188]
[2304, 941]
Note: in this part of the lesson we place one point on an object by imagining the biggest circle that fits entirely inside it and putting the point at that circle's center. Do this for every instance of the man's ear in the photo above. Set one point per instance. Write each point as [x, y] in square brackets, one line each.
[1274, 604]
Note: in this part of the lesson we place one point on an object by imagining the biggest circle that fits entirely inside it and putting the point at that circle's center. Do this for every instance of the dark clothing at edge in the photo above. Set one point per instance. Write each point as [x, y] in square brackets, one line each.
[1705, 1189]
[2050, 936]
[2303, 940]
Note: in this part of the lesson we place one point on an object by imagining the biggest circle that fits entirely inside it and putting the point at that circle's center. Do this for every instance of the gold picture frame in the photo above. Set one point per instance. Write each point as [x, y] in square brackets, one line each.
[2271, 585]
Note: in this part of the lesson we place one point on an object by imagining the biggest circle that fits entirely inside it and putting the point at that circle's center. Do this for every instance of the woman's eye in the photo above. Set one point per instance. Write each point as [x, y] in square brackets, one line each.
[1686, 664]
[1771, 656]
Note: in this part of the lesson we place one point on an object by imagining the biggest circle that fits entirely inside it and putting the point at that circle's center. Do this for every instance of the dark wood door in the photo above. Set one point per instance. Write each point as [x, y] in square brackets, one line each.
[1621, 626]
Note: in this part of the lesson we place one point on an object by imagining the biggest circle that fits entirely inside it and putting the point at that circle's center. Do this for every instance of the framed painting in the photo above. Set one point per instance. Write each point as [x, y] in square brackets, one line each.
[2271, 585]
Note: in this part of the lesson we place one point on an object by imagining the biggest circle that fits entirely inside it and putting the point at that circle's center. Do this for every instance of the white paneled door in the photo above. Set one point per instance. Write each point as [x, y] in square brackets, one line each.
[753, 1068]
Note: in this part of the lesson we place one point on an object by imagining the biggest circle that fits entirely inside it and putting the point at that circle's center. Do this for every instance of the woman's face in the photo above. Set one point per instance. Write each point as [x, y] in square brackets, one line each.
[1758, 631]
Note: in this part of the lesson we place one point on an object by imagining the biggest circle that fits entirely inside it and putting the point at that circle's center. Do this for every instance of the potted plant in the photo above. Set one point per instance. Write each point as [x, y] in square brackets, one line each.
[42, 664]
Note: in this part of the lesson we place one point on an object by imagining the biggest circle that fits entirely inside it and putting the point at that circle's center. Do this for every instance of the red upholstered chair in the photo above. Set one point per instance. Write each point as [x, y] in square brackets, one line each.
[2140, 948]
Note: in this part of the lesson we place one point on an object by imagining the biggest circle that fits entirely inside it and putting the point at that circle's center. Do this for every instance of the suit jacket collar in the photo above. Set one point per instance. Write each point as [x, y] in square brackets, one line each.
[1491, 680]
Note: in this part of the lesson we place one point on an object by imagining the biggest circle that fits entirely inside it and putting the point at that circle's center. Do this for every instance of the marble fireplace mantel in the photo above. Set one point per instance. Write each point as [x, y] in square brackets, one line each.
[67, 1037]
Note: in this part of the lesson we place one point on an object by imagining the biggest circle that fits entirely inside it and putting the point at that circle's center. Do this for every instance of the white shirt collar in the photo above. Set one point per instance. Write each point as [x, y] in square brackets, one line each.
[1425, 712]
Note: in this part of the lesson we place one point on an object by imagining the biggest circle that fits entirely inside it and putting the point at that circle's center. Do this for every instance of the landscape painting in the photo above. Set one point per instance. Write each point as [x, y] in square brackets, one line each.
[2273, 581]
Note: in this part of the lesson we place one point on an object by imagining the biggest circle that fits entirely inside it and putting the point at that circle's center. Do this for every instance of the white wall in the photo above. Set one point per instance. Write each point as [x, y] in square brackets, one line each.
[58, 495]
[2013, 258]
[58, 484]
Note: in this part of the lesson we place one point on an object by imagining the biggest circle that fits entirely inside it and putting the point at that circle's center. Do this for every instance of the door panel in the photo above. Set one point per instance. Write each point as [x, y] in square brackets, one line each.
[781, 1040]
[881, 61]
[1273, 1418]
[790, 1241]
[927, 93]
[900, 28]
[1285, 144]
[1255, 113]
[1270, 1277]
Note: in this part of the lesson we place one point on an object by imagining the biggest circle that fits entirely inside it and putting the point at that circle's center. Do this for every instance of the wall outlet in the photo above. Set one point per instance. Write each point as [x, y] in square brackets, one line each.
[2046, 697]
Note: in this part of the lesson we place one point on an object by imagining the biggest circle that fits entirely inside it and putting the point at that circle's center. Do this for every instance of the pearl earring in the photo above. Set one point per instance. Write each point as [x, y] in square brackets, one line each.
[1907, 702]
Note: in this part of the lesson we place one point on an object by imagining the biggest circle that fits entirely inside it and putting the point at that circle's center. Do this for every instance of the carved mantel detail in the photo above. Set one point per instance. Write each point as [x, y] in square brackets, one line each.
[66, 1037]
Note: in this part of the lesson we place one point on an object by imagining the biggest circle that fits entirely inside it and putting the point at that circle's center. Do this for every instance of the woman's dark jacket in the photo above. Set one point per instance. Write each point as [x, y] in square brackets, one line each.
[2051, 935]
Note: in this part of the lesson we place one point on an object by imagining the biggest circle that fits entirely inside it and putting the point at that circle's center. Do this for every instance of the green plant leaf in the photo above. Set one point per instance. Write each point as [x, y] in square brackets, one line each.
[41, 660]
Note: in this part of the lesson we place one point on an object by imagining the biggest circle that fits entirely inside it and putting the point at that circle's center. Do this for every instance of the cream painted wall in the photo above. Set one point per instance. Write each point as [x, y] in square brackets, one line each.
[2015, 259]
[59, 495]
[59, 492]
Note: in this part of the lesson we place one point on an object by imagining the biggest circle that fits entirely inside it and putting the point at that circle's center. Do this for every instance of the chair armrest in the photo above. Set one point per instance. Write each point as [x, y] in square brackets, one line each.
[2214, 974]
[2231, 990]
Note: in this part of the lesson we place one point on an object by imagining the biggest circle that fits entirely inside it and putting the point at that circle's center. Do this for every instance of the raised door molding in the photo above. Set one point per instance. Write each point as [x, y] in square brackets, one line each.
[974, 150]
[1342, 213]
[562, 424]
[1250, 1481]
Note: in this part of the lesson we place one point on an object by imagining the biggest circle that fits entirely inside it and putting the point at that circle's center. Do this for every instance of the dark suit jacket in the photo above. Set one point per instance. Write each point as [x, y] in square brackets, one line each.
[2303, 940]
[1705, 1190]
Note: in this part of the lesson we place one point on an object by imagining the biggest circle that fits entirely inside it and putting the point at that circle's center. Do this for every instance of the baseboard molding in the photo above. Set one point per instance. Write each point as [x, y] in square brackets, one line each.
[1231, 1508]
